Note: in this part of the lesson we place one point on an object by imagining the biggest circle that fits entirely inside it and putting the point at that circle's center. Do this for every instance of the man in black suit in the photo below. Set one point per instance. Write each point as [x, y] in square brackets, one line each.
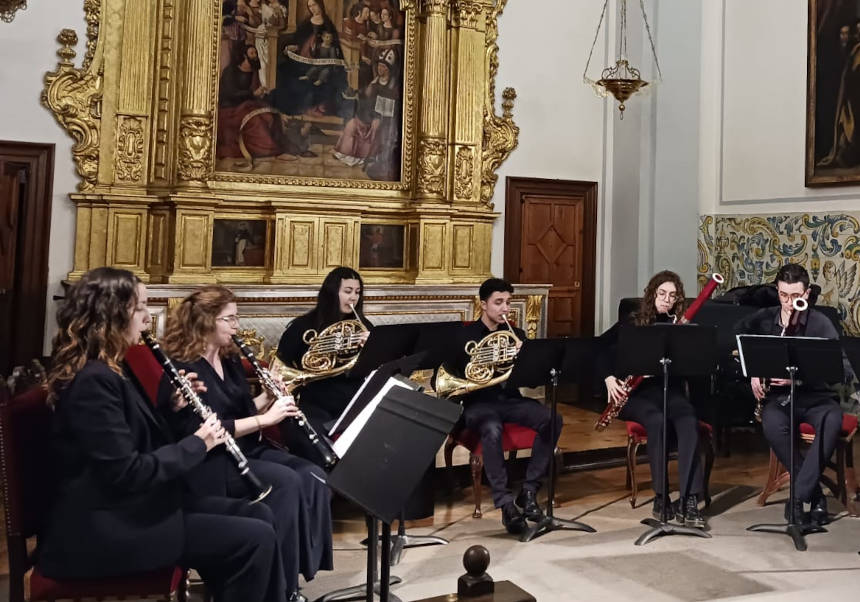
[814, 403]
[486, 410]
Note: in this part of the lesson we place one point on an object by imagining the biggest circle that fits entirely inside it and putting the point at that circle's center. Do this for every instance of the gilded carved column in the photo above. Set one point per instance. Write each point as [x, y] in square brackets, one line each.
[195, 117]
[467, 97]
[432, 139]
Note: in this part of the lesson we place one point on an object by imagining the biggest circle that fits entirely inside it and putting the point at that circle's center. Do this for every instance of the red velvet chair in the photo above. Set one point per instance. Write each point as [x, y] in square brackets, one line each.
[27, 488]
[845, 485]
[514, 438]
[637, 435]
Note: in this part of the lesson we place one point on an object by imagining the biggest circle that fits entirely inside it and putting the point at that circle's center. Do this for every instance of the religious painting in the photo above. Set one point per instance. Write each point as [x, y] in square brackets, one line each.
[833, 93]
[381, 246]
[239, 243]
[311, 88]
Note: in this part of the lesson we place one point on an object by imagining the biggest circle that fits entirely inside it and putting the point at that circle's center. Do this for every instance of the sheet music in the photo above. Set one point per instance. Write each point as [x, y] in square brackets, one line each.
[334, 428]
[341, 446]
[765, 336]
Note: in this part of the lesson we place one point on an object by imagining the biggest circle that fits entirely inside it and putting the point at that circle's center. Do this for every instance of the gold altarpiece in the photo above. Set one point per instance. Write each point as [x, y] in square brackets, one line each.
[141, 108]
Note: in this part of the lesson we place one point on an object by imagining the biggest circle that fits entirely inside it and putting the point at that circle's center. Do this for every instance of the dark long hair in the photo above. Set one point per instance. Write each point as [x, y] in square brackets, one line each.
[647, 313]
[91, 322]
[193, 321]
[327, 310]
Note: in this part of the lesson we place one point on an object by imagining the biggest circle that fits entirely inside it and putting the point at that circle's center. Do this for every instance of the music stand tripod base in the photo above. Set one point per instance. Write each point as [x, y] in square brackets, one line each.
[796, 532]
[550, 523]
[659, 528]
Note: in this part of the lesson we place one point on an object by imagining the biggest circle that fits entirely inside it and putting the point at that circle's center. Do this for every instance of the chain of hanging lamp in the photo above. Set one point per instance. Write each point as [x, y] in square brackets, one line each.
[621, 80]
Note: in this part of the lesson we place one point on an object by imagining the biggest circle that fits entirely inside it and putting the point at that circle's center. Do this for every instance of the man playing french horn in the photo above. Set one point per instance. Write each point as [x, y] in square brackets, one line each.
[488, 408]
[815, 403]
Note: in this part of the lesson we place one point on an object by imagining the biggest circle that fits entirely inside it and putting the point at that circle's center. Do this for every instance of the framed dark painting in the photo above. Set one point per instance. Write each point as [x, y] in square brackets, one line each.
[381, 246]
[311, 89]
[833, 93]
[239, 243]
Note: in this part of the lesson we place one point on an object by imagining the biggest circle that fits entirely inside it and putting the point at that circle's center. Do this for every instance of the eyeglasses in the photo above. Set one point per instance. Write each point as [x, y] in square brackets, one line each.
[667, 295]
[790, 297]
[231, 320]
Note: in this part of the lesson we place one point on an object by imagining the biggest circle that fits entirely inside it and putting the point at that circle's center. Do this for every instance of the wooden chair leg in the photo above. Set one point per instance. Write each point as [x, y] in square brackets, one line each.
[476, 462]
[777, 478]
[842, 494]
[632, 448]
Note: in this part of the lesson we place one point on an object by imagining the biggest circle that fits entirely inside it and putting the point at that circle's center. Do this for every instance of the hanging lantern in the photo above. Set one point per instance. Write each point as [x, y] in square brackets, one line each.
[622, 80]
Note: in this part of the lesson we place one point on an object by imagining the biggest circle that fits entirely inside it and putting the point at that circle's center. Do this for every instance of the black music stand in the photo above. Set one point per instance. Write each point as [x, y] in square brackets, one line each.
[690, 350]
[402, 435]
[540, 362]
[813, 360]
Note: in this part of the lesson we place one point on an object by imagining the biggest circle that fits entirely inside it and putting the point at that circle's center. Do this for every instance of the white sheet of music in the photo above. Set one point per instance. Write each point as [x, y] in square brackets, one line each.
[341, 446]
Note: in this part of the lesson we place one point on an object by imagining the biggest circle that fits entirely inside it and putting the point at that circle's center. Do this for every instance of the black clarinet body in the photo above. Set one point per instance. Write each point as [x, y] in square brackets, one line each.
[319, 443]
[259, 490]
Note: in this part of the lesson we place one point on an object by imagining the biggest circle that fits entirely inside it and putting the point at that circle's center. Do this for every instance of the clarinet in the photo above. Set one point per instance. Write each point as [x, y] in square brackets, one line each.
[320, 445]
[181, 384]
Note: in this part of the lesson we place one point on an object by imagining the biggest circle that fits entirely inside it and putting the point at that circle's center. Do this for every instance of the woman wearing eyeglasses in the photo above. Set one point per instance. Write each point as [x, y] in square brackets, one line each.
[199, 339]
[662, 301]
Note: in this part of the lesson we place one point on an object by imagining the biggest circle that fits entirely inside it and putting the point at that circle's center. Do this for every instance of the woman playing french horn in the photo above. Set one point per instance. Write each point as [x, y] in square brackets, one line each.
[318, 344]
[662, 302]
[486, 409]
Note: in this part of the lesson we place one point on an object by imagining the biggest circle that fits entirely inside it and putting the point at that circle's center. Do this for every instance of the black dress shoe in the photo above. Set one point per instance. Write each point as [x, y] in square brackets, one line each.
[513, 519]
[692, 517]
[297, 597]
[657, 509]
[800, 517]
[527, 500]
[818, 513]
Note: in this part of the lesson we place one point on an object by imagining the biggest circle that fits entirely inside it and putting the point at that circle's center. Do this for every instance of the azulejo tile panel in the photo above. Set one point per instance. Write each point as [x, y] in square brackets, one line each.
[749, 249]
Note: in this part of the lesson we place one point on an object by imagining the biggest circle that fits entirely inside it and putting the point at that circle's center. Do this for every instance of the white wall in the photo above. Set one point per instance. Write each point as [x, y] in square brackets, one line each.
[753, 106]
[542, 54]
[29, 49]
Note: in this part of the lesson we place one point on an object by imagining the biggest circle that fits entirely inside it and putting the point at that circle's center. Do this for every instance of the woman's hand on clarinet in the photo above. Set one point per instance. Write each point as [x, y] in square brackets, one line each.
[284, 407]
[615, 389]
[177, 402]
[757, 388]
[212, 432]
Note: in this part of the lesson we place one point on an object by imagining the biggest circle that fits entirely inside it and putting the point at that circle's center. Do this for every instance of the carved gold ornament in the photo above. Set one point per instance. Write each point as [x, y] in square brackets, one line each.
[431, 166]
[75, 95]
[129, 149]
[464, 167]
[500, 133]
[195, 144]
[8, 8]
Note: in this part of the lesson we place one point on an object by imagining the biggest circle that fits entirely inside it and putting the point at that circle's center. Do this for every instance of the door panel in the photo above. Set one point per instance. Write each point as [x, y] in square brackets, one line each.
[550, 237]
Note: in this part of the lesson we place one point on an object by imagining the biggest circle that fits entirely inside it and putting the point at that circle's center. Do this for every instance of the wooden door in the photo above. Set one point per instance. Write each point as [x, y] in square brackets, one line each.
[550, 238]
[26, 177]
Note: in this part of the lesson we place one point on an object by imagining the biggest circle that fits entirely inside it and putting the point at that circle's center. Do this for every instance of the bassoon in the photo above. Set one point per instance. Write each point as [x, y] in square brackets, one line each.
[633, 381]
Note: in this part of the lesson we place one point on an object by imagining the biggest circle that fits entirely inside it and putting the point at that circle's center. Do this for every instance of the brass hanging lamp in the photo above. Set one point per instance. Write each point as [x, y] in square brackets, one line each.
[621, 80]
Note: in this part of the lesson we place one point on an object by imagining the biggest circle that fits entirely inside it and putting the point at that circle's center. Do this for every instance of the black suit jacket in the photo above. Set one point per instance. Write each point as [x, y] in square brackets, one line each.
[118, 506]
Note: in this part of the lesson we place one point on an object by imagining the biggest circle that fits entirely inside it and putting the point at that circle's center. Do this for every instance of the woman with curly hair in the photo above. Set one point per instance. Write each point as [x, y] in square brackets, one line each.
[198, 338]
[662, 302]
[119, 506]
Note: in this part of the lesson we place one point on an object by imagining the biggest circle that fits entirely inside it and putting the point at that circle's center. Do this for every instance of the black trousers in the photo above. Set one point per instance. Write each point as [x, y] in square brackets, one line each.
[233, 546]
[645, 406]
[826, 418]
[487, 417]
[304, 533]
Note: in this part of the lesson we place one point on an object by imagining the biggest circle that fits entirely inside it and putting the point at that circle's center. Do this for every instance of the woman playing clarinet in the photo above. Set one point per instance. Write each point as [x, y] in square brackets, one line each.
[199, 339]
[340, 298]
[662, 302]
[119, 506]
